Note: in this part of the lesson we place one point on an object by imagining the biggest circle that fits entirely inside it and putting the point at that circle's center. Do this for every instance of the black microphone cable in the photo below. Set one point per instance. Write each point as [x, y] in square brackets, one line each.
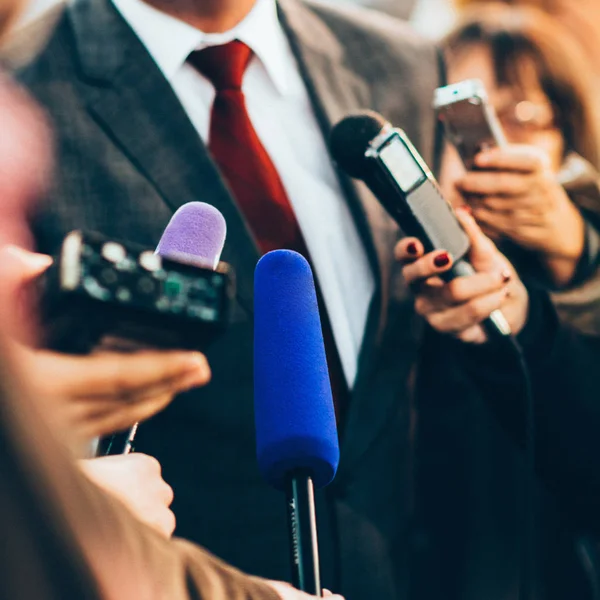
[527, 562]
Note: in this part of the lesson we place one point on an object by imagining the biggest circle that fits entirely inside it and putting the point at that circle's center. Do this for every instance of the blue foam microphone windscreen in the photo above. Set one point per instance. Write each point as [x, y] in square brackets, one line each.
[295, 417]
[195, 234]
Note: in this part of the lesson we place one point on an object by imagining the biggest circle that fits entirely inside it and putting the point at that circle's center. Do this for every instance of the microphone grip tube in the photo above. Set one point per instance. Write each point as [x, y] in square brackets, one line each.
[302, 523]
[496, 325]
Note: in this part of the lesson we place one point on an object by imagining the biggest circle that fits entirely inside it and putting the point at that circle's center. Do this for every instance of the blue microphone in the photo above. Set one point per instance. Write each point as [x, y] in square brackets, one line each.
[296, 433]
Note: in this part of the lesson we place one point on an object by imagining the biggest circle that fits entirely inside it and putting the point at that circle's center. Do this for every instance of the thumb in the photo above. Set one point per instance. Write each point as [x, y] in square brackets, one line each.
[18, 267]
[483, 254]
[22, 264]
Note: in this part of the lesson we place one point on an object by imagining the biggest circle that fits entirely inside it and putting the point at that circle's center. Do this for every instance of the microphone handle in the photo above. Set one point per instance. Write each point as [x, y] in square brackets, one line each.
[496, 325]
[118, 443]
[302, 523]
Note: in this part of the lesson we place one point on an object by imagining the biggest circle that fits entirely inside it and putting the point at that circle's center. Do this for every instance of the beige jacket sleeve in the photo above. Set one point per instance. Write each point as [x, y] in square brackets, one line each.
[124, 557]
[579, 306]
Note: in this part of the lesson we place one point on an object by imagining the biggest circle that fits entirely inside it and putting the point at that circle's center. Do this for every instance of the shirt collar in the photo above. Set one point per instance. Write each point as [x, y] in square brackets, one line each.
[170, 41]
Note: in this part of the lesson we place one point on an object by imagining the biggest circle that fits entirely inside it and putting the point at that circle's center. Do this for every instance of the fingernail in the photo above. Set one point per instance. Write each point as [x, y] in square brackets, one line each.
[506, 276]
[412, 248]
[441, 260]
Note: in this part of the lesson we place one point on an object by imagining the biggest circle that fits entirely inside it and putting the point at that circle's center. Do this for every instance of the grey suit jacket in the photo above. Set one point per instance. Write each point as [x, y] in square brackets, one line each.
[128, 157]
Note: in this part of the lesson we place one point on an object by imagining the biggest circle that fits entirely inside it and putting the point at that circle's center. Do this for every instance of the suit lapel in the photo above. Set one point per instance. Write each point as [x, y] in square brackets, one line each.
[131, 100]
[335, 91]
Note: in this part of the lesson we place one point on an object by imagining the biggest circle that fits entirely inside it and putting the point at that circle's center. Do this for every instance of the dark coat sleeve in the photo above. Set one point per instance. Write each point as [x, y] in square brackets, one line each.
[564, 367]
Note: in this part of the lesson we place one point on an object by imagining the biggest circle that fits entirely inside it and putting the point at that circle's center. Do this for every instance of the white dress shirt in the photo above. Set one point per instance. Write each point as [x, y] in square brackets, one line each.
[280, 110]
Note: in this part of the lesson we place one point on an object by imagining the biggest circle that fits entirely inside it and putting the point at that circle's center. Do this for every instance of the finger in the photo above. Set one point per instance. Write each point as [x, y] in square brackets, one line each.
[460, 318]
[515, 157]
[506, 222]
[458, 291]
[501, 204]
[494, 234]
[144, 463]
[136, 400]
[473, 335]
[493, 183]
[31, 264]
[165, 493]
[463, 289]
[483, 251]
[432, 264]
[118, 374]
[408, 250]
[164, 522]
[18, 268]
[107, 416]
[131, 374]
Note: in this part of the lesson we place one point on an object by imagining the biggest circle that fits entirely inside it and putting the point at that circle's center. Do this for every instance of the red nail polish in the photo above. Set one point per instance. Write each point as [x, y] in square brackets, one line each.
[441, 260]
[412, 248]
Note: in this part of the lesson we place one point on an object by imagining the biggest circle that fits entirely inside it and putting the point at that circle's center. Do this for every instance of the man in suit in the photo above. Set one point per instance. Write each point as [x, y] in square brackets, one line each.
[142, 108]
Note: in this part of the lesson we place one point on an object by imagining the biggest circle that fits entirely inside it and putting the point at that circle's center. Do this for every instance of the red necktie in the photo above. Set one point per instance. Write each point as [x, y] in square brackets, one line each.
[251, 175]
[242, 159]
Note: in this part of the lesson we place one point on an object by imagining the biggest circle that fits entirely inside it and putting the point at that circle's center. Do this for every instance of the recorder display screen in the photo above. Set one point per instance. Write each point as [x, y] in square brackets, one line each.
[398, 160]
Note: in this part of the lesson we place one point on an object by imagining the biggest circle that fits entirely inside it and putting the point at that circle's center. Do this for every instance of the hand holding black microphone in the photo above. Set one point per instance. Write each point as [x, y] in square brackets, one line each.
[368, 148]
[458, 307]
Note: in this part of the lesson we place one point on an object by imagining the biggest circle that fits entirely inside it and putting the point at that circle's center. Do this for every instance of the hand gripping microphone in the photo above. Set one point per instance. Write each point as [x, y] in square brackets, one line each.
[367, 147]
[195, 235]
[296, 434]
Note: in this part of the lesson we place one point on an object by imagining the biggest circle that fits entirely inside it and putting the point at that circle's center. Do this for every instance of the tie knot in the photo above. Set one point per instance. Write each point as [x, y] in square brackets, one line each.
[224, 65]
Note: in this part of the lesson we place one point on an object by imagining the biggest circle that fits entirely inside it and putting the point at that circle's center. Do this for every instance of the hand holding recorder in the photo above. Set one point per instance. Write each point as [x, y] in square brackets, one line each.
[458, 307]
[95, 394]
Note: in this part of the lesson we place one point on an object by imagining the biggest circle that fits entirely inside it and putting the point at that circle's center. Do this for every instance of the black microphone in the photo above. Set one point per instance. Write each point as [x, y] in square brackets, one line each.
[367, 147]
[296, 433]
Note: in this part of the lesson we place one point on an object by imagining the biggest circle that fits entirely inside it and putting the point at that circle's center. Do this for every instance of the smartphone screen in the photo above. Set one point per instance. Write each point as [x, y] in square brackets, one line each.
[469, 121]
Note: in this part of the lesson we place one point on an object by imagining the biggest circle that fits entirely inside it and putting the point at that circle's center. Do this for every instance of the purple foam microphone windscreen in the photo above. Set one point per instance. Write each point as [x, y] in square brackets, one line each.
[293, 405]
[195, 234]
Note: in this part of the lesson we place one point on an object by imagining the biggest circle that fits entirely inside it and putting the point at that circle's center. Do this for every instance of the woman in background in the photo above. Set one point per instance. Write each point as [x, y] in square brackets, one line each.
[539, 196]
[539, 200]
[580, 17]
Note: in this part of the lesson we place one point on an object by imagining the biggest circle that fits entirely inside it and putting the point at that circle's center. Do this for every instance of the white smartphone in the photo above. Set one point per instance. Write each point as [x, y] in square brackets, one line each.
[470, 122]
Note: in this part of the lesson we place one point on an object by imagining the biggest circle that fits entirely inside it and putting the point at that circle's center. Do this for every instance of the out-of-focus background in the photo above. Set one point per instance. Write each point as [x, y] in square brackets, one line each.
[431, 17]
